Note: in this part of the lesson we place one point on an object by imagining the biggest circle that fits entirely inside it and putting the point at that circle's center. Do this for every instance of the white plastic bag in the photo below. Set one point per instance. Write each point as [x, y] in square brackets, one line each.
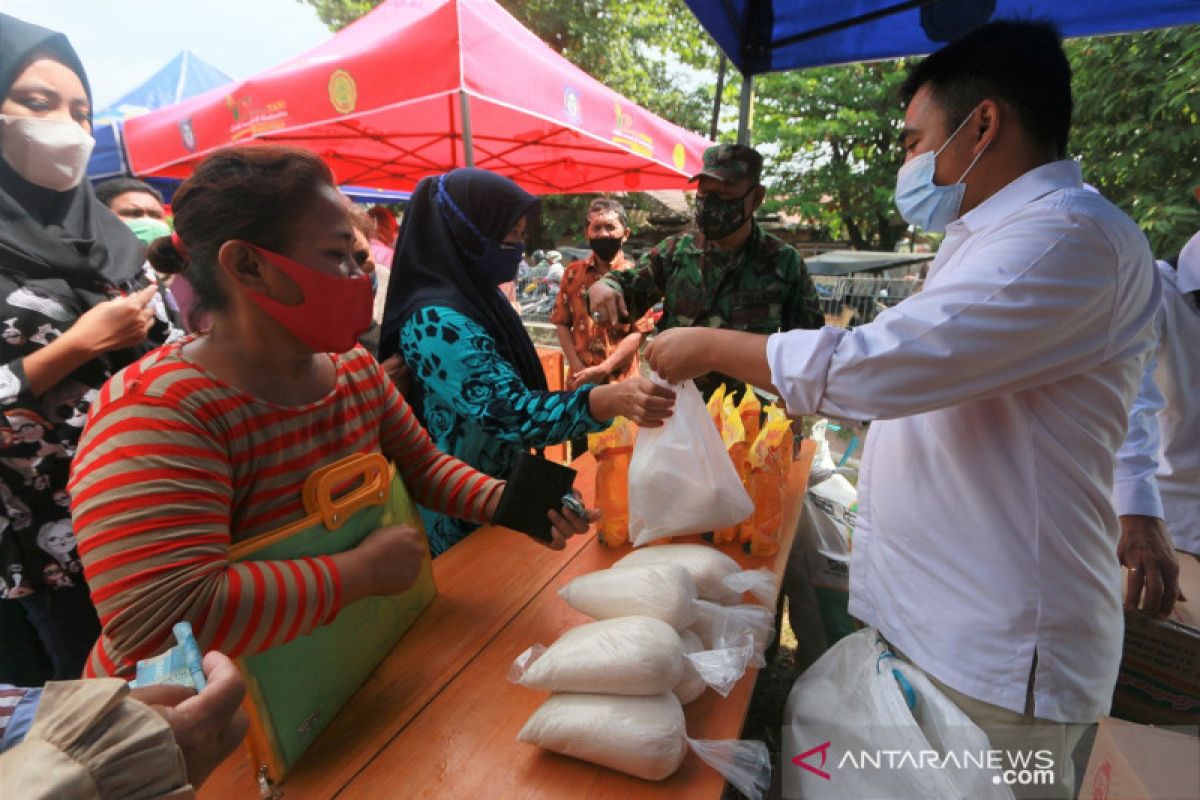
[724, 627]
[717, 576]
[637, 656]
[641, 736]
[663, 591]
[856, 701]
[681, 480]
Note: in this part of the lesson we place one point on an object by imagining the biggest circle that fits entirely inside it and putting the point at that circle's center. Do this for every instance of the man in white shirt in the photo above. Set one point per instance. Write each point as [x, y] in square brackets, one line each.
[1158, 467]
[985, 549]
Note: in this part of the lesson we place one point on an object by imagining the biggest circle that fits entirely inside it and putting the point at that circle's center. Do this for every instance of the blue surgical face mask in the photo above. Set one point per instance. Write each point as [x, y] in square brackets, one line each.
[921, 201]
[499, 261]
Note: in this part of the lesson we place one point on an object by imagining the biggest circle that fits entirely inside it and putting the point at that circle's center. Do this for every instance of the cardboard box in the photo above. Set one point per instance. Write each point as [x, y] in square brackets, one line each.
[1137, 762]
[1159, 681]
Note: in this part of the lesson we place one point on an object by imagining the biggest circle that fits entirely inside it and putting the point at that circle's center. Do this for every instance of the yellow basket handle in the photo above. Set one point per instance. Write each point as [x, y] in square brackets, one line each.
[318, 497]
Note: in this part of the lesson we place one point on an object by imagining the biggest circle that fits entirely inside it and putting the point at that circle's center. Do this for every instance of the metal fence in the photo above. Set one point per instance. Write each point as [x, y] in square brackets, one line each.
[858, 299]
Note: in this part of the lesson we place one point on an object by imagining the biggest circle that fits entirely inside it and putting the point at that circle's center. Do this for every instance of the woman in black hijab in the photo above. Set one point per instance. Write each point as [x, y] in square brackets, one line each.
[476, 381]
[75, 306]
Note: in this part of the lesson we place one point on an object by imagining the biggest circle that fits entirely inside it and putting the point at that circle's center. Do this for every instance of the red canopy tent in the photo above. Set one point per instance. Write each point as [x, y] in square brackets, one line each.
[418, 87]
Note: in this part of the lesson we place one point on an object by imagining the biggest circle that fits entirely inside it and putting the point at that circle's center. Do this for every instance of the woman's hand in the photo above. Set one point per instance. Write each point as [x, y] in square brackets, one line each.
[596, 375]
[115, 324]
[567, 523]
[397, 370]
[642, 401]
[386, 562]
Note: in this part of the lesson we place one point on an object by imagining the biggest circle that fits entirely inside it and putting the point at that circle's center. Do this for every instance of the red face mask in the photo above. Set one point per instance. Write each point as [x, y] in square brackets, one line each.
[335, 311]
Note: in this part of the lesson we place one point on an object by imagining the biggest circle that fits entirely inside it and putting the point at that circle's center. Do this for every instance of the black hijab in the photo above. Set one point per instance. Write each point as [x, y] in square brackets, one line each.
[431, 265]
[69, 236]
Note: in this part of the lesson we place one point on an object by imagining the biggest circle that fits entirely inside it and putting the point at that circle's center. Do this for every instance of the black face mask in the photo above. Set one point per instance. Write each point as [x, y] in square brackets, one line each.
[717, 217]
[606, 248]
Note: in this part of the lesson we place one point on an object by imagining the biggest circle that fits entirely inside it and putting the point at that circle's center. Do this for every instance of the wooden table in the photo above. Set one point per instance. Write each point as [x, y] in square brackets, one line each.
[439, 719]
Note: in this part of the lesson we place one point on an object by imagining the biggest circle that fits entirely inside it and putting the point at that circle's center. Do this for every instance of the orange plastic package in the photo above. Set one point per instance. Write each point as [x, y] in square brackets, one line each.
[613, 448]
[738, 446]
[716, 406]
[769, 461]
[750, 410]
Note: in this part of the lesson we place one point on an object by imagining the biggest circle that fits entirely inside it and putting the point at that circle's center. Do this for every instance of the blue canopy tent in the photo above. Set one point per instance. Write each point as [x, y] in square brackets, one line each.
[773, 35]
[182, 77]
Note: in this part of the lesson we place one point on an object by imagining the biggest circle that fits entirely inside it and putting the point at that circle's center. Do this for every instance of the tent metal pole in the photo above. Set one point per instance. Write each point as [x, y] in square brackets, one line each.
[716, 115]
[746, 111]
[468, 140]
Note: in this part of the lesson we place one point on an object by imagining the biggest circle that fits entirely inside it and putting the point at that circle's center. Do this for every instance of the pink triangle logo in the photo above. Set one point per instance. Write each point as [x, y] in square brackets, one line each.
[800, 760]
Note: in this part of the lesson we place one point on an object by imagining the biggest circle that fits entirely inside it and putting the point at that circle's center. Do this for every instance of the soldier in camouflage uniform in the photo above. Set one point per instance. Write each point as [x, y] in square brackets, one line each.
[731, 274]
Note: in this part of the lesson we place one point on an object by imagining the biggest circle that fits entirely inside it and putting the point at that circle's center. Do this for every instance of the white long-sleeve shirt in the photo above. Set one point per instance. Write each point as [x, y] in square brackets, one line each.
[986, 531]
[1158, 466]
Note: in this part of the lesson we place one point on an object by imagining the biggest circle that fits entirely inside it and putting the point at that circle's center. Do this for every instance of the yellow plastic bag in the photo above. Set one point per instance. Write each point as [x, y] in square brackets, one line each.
[613, 448]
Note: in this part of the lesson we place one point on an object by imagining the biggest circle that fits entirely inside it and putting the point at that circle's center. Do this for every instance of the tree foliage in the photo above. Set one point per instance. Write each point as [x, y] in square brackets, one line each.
[835, 136]
[1137, 127]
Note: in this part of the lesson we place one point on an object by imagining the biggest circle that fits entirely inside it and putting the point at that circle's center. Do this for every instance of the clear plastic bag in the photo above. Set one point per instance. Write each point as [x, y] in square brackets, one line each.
[745, 764]
[681, 480]
[759, 582]
[725, 627]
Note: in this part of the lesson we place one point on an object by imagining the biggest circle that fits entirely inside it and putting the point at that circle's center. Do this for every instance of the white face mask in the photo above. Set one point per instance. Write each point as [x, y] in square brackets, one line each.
[921, 201]
[51, 153]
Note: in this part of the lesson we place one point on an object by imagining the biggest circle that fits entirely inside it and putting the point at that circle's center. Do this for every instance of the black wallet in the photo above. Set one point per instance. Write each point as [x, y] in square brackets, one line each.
[535, 486]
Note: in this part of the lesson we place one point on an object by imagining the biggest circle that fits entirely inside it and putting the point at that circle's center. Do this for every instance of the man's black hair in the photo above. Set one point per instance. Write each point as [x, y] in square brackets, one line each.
[1019, 63]
[106, 192]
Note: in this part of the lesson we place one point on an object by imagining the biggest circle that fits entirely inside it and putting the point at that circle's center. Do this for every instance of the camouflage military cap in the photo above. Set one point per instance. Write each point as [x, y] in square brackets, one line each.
[731, 162]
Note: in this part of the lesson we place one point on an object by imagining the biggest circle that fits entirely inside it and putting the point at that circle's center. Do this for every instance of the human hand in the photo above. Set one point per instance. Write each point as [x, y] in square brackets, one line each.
[588, 375]
[606, 304]
[392, 557]
[115, 324]
[567, 523]
[680, 354]
[397, 370]
[207, 726]
[644, 402]
[1152, 580]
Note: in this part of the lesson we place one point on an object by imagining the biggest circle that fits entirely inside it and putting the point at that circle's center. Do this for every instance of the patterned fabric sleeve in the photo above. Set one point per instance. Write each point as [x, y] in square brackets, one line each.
[151, 496]
[456, 359]
[437, 480]
[17, 709]
[642, 286]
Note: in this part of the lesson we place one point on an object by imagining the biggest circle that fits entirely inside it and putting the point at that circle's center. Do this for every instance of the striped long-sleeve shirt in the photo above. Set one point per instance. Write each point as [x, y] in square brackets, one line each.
[175, 465]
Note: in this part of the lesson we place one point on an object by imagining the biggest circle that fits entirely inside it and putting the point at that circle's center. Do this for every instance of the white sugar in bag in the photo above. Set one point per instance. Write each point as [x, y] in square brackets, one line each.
[664, 591]
[691, 685]
[717, 576]
[641, 736]
[626, 656]
[636, 656]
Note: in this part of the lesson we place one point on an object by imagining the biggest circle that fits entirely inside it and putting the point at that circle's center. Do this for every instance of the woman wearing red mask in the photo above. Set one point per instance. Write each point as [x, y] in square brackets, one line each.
[208, 441]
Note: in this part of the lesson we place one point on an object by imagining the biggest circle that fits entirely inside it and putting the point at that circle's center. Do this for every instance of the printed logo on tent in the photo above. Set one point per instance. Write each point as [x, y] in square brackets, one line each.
[626, 136]
[679, 156]
[571, 104]
[343, 91]
[250, 119]
[187, 134]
